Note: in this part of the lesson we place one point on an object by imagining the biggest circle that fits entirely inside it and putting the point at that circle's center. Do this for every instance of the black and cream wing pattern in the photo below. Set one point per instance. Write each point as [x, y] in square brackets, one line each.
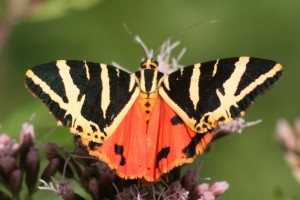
[89, 98]
[217, 91]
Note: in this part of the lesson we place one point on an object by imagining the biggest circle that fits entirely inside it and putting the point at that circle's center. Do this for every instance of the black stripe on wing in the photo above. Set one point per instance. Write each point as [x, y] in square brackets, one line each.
[203, 94]
[94, 97]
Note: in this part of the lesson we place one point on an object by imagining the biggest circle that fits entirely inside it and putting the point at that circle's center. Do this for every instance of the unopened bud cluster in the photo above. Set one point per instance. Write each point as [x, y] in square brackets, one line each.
[19, 161]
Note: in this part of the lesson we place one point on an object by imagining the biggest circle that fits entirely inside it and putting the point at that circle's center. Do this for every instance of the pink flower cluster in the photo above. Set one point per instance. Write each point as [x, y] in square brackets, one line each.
[18, 161]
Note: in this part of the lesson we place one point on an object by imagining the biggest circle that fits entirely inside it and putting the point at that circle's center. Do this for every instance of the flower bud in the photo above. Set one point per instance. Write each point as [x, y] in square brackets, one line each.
[206, 192]
[32, 166]
[51, 149]
[202, 192]
[285, 134]
[26, 135]
[4, 140]
[296, 173]
[7, 166]
[207, 195]
[176, 191]
[105, 171]
[292, 159]
[15, 148]
[94, 188]
[50, 169]
[26, 138]
[107, 177]
[297, 126]
[219, 188]
[8, 147]
[126, 194]
[15, 182]
[66, 192]
[190, 178]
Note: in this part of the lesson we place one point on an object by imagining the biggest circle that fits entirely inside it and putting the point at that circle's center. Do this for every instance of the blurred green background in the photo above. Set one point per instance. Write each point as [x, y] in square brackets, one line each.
[252, 162]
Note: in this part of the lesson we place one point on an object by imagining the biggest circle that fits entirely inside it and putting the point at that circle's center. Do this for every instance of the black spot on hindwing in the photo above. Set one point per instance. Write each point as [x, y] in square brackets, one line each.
[176, 120]
[163, 153]
[119, 149]
[190, 149]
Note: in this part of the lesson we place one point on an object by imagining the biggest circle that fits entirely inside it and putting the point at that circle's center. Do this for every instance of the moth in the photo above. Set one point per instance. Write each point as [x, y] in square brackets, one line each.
[143, 124]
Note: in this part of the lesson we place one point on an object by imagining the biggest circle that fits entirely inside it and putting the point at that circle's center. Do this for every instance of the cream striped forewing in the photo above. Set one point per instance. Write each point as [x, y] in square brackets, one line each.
[90, 98]
[209, 93]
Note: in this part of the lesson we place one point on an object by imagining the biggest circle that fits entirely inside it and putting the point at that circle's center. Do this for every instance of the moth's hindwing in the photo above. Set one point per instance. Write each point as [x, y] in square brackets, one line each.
[219, 91]
[90, 98]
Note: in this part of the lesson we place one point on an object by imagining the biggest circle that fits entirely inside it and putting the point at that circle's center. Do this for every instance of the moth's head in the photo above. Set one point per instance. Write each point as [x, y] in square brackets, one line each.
[149, 64]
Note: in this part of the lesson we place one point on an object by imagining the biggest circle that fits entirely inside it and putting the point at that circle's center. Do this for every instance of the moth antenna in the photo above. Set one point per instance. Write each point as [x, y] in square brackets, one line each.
[192, 26]
[127, 29]
[181, 32]
[137, 38]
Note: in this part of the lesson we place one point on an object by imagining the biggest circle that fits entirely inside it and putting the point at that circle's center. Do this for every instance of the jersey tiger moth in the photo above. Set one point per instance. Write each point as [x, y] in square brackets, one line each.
[144, 124]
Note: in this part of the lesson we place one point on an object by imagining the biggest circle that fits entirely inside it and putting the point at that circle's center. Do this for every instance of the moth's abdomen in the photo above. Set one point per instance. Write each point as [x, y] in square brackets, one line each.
[147, 102]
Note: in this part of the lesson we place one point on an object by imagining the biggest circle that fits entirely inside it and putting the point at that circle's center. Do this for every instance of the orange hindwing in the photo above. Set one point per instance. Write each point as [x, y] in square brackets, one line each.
[138, 150]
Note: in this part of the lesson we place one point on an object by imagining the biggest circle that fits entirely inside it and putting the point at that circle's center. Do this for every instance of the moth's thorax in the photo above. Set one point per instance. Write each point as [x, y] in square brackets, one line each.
[147, 101]
[148, 80]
